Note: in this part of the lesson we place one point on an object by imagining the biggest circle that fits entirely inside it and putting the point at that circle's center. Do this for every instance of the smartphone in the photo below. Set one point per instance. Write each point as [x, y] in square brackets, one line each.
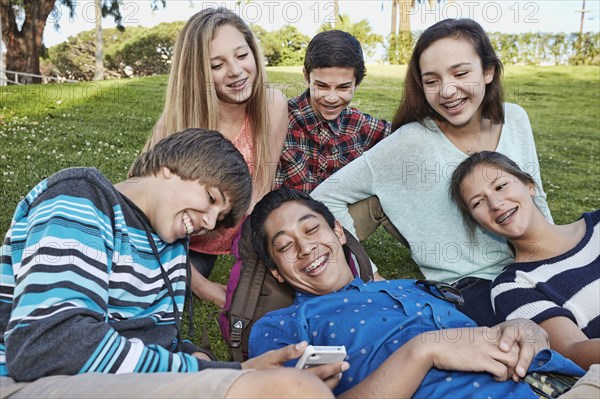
[317, 355]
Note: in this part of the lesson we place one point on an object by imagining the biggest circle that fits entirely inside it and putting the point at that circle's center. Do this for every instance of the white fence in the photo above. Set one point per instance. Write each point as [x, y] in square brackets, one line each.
[45, 79]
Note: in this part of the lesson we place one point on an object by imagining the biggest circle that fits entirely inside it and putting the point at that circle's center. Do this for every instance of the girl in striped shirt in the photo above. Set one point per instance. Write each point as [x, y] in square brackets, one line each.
[555, 278]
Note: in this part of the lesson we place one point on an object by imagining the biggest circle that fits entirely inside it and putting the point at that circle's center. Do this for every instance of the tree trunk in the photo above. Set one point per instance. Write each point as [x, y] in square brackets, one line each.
[394, 28]
[23, 45]
[2, 79]
[405, 9]
[336, 11]
[99, 69]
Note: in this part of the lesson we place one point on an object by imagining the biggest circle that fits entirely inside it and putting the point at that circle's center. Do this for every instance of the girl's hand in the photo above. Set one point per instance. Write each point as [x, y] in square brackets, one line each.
[469, 349]
[525, 335]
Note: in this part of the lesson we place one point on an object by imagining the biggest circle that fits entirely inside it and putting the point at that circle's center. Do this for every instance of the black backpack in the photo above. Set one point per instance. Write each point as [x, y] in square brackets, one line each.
[252, 290]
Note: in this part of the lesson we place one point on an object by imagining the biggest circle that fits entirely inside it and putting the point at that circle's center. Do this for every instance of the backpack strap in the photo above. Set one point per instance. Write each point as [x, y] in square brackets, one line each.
[246, 295]
[355, 248]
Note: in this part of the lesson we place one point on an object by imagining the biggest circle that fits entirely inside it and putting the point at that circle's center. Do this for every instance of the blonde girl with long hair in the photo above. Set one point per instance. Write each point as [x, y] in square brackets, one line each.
[218, 81]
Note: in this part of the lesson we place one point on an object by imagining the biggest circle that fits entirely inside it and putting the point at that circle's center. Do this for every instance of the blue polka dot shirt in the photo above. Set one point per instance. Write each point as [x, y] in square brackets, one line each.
[373, 320]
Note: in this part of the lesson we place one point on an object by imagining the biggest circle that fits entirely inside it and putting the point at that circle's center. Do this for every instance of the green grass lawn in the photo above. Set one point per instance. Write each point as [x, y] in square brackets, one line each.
[45, 128]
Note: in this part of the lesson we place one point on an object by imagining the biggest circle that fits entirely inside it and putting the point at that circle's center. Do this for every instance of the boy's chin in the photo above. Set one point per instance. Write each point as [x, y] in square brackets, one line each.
[330, 116]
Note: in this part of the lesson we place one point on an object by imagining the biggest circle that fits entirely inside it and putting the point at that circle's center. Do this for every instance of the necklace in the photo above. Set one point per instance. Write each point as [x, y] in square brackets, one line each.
[469, 150]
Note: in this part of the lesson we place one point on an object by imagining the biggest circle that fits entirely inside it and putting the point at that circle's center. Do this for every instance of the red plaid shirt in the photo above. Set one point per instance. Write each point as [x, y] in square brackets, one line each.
[315, 148]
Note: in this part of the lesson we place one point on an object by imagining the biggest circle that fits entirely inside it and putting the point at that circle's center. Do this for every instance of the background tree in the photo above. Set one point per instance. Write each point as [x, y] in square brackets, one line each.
[147, 51]
[283, 47]
[399, 48]
[402, 39]
[133, 52]
[336, 9]
[23, 24]
[361, 30]
[269, 45]
[401, 11]
[292, 45]
[99, 65]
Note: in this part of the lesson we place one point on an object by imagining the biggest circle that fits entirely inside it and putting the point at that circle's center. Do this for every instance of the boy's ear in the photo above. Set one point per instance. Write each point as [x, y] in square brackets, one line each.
[275, 274]
[166, 172]
[531, 189]
[338, 229]
[306, 76]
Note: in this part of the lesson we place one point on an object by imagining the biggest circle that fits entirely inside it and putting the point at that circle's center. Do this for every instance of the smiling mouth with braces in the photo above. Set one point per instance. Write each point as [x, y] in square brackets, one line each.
[455, 104]
[317, 262]
[237, 83]
[506, 215]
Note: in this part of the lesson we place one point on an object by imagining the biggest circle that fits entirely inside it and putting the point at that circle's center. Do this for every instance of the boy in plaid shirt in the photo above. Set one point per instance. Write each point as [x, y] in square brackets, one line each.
[324, 133]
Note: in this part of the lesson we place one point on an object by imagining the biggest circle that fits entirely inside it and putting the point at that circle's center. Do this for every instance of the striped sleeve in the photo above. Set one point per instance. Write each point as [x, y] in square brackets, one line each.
[62, 251]
[566, 285]
[7, 285]
[514, 296]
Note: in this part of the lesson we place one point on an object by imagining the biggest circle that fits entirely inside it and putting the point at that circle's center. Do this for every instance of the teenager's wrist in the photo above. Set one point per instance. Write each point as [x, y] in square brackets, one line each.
[215, 293]
[422, 348]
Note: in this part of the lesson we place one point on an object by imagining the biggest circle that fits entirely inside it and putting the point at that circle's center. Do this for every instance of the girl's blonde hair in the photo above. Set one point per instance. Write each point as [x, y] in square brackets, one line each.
[191, 99]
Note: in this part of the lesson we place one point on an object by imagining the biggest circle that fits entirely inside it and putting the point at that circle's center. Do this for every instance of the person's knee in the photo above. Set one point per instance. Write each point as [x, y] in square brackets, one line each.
[285, 382]
[365, 222]
[302, 383]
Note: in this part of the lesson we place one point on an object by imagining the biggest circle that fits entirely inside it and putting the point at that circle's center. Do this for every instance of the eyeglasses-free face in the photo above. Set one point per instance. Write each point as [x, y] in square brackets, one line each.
[442, 291]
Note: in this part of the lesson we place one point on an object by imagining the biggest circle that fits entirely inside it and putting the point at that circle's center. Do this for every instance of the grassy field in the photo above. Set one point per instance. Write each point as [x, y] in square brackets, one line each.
[45, 128]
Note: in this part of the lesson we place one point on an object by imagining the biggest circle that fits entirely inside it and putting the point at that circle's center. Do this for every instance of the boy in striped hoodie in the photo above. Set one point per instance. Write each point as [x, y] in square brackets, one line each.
[93, 282]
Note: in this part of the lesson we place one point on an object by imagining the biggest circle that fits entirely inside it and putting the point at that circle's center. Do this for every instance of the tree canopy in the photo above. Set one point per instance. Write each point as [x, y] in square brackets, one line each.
[285, 46]
[361, 30]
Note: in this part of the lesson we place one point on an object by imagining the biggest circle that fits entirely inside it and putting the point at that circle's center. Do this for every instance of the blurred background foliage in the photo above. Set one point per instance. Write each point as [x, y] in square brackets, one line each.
[141, 51]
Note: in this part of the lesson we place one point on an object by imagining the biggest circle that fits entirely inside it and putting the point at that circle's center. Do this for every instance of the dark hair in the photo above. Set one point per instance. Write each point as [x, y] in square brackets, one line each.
[335, 48]
[268, 204]
[205, 156]
[467, 166]
[414, 106]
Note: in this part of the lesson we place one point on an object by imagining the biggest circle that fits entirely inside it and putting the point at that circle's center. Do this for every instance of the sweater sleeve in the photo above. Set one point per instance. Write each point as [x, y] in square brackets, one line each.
[59, 323]
[352, 183]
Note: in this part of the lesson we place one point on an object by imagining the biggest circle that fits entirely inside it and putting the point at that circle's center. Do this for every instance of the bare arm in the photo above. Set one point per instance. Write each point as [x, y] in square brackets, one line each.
[567, 338]
[377, 277]
[474, 349]
[208, 290]
[278, 126]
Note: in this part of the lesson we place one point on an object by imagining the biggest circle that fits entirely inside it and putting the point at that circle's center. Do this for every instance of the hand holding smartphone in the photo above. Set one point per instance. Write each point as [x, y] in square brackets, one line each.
[317, 355]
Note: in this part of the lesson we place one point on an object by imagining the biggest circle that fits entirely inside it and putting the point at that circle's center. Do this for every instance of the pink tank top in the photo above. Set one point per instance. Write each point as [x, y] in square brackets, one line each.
[219, 242]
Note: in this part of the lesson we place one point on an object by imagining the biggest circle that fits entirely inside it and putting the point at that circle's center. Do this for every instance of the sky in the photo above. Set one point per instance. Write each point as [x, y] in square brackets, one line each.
[510, 16]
